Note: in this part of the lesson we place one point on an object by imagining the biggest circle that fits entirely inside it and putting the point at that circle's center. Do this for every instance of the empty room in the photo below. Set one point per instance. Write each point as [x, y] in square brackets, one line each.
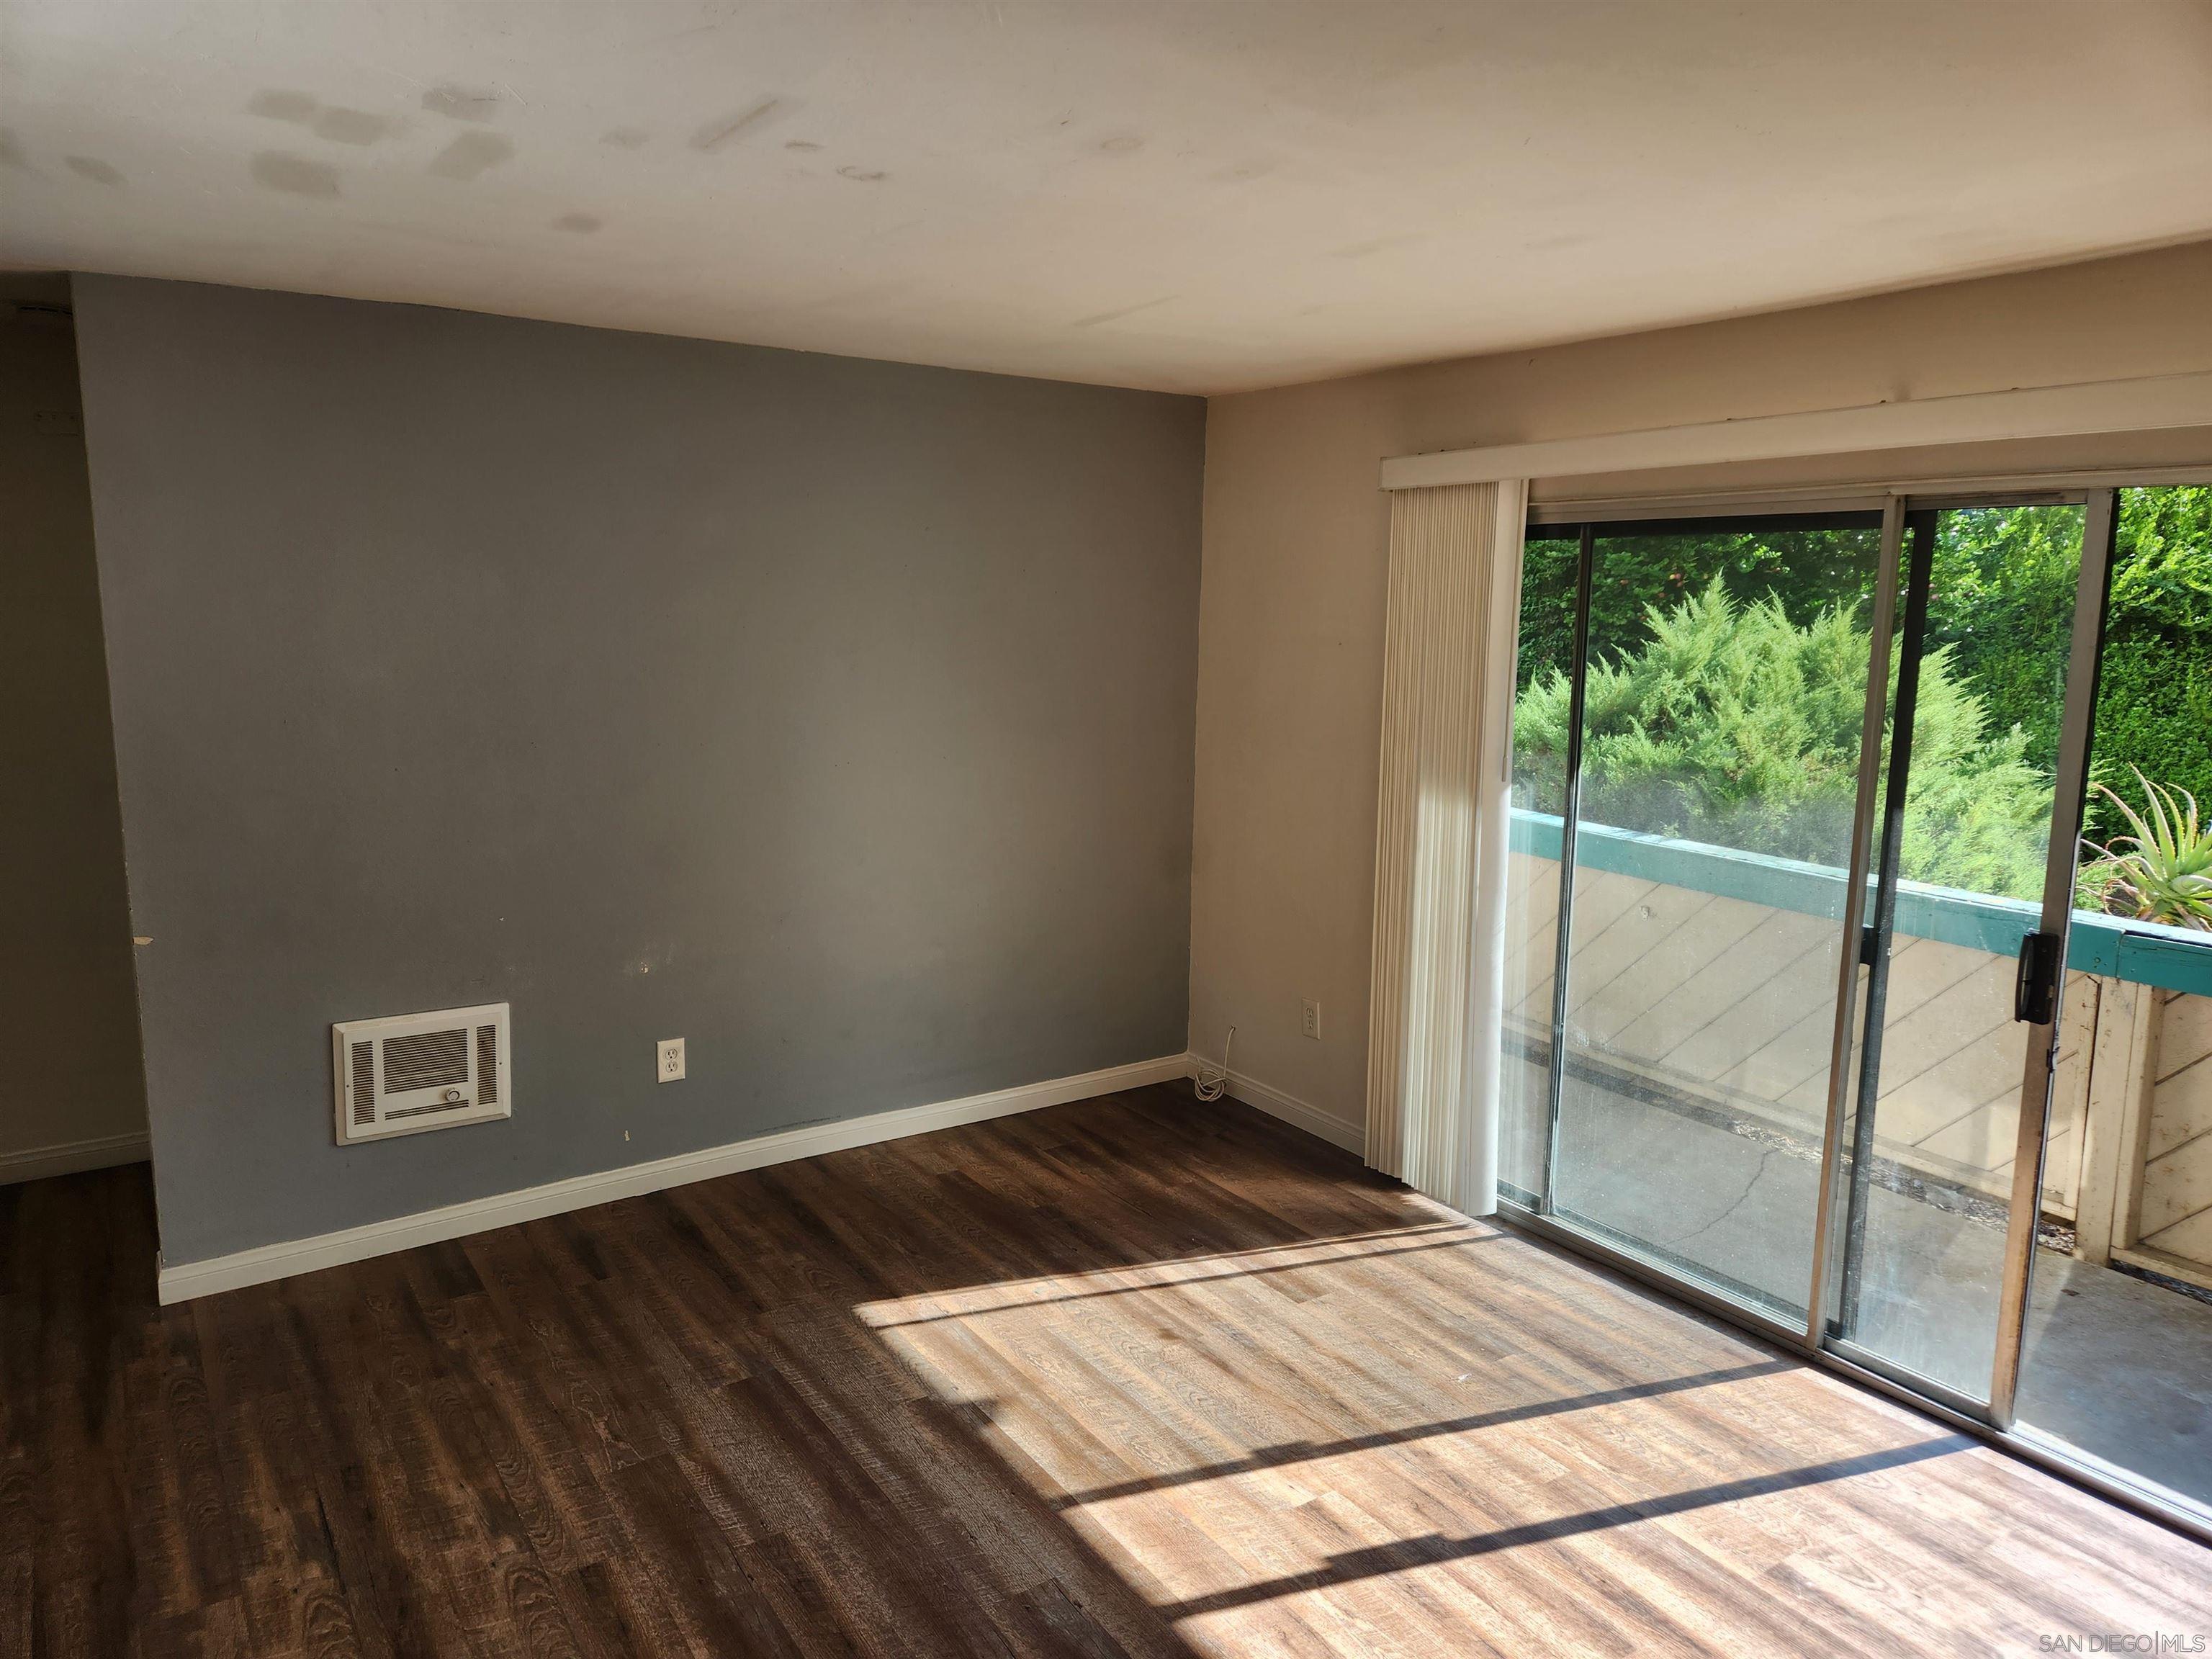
[1179, 830]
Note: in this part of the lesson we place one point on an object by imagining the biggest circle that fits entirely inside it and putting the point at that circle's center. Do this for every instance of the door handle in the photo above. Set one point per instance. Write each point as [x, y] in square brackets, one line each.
[2035, 988]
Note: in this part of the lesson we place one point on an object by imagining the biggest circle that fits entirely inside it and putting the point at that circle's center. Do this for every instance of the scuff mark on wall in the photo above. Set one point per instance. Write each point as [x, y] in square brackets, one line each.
[654, 955]
[92, 167]
[470, 155]
[283, 104]
[277, 170]
[302, 109]
[1115, 316]
[716, 134]
[462, 103]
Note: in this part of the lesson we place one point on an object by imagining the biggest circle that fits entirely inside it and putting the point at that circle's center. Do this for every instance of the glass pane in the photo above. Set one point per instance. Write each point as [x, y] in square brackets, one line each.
[1544, 662]
[2117, 1361]
[1720, 748]
[1928, 1176]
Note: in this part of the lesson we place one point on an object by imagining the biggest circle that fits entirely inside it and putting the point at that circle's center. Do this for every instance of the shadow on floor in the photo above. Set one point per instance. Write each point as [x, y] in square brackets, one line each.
[1132, 1377]
[2112, 1365]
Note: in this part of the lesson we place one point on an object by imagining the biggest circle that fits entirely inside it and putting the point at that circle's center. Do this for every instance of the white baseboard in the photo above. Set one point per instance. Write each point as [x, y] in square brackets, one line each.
[39, 1162]
[1353, 1137]
[182, 1281]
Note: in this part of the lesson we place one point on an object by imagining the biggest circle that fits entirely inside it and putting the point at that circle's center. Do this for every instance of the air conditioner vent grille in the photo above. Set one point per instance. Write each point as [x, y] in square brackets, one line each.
[364, 1084]
[394, 1113]
[428, 1060]
[417, 1072]
[487, 1065]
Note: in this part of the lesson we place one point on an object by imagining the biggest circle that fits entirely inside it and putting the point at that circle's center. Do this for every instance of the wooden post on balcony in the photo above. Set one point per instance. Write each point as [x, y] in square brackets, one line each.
[2124, 1065]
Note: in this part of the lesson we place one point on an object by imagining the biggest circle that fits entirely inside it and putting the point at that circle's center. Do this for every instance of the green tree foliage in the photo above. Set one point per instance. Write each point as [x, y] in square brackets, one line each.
[1809, 570]
[2154, 714]
[1736, 725]
[2154, 692]
[2002, 599]
[2000, 614]
[2162, 575]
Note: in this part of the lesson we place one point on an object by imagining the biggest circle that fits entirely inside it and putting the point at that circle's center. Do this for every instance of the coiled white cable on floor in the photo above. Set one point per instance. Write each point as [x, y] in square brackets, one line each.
[1211, 1083]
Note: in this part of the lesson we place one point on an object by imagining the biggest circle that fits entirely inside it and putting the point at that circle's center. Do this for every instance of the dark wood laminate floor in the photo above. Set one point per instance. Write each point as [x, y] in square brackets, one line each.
[1136, 1375]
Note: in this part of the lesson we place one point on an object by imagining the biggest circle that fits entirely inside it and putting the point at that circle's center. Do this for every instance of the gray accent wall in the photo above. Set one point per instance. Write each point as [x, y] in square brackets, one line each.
[835, 716]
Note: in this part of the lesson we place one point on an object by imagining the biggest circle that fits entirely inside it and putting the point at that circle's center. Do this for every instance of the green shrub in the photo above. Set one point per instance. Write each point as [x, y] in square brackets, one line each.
[2162, 561]
[1733, 725]
[2154, 692]
[1809, 570]
[2002, 598]
[1715, 749]
[2153, 714]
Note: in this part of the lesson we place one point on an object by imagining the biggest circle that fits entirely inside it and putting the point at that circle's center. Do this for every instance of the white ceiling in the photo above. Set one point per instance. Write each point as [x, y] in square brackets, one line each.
[1199, 197]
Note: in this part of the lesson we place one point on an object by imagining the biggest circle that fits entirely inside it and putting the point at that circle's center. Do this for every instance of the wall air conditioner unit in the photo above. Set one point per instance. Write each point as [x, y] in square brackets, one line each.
[417, 1072]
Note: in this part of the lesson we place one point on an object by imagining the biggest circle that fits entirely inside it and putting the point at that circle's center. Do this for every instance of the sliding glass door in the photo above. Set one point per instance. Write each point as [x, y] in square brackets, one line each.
[1551, 605]
[1790, 896]
[1818, 1011]
[1961, 954]
[2116, 1363]
[1713, 744]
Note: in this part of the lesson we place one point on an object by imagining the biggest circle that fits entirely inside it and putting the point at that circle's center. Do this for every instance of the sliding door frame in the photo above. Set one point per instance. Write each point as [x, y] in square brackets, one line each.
[1919, 513]
[1620, 518]
[2069, 796]
[2097, 493]
[1843, 1047]
[1571, 819]
[1870, 944]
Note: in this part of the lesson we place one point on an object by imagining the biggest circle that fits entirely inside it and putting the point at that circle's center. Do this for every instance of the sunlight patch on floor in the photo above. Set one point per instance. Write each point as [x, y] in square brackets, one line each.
[1387, 1429]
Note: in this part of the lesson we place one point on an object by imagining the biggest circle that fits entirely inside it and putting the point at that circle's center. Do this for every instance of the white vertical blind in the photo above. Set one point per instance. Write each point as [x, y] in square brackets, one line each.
[1434, 1031]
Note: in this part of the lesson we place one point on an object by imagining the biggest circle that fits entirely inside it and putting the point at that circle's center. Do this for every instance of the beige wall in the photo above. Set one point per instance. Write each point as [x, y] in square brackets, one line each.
[1290, 609]
[69, 1021]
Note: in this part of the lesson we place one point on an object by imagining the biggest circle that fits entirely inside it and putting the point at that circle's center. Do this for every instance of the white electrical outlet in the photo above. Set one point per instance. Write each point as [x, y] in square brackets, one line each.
[1311, 1024]
[671, 1060]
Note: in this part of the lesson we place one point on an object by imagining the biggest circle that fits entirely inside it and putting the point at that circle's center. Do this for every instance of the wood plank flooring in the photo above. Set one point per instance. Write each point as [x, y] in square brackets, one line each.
[1136, 1375]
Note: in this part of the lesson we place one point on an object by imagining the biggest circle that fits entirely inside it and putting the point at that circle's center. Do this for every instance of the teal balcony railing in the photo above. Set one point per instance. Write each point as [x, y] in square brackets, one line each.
[2142, 953]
